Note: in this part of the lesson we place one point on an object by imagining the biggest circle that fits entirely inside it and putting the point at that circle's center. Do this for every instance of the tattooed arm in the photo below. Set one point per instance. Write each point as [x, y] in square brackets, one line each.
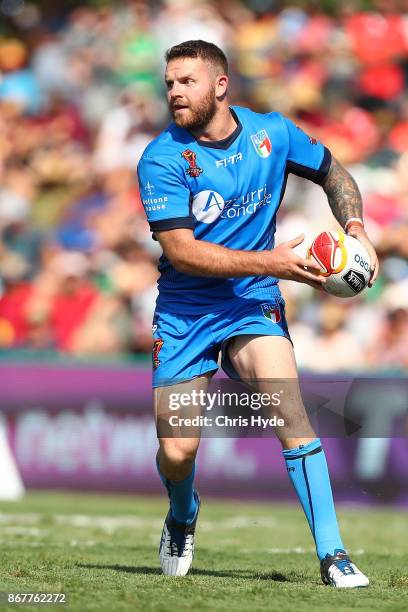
[342, 193]
[345, 202]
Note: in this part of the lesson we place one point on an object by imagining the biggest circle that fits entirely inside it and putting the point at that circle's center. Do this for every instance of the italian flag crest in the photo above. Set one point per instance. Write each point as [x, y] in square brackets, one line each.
[271, 312]
[262, 143]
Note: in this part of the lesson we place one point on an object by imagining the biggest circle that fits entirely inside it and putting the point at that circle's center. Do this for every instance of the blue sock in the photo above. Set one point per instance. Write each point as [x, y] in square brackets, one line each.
[307, 469]
[183, 502]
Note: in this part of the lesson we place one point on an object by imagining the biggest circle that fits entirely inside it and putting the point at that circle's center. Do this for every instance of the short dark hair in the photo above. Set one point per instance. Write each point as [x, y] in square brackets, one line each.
[199, 48]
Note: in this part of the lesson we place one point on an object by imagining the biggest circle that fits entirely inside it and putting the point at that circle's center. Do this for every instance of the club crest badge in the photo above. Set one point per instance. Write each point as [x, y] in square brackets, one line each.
[157, 346]
[191, 158]
[271, 312]
[262, 143]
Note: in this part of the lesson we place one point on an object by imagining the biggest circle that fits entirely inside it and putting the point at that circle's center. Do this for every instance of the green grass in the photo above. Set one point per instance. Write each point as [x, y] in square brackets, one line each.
[102, 551]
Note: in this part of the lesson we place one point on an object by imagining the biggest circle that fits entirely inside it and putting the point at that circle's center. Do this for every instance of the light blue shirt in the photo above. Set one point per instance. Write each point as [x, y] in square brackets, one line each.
[228, 192]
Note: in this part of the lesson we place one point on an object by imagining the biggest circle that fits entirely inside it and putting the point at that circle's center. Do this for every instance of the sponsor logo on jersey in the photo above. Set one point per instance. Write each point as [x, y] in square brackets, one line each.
[262, 143]
[151, 204]
[271, 312]
[247, 204]
[149, 188]
[355, 280]
[208, 205]
[232, 159]
[157, 346]
[191, 158]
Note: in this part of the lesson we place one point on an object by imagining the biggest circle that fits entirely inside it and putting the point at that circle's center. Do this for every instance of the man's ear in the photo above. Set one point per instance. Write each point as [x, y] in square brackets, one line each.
[221, 85]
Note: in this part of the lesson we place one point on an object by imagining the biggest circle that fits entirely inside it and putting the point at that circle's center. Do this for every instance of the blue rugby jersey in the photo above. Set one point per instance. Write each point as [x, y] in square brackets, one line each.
[228, 192]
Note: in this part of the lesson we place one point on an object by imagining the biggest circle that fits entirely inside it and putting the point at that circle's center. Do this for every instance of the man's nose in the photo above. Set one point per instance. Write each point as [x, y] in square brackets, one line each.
[175, 90]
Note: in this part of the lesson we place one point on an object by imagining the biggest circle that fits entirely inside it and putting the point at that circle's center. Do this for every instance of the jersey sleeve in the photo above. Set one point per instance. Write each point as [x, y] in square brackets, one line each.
[164, 194]
[307, 157]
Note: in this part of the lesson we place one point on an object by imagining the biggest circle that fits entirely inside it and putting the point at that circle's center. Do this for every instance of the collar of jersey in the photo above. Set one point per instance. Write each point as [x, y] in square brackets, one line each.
[226, 142]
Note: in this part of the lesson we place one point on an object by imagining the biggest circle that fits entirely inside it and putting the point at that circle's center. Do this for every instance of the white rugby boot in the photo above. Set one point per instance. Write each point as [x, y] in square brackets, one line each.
[339, 571]
[176, 550]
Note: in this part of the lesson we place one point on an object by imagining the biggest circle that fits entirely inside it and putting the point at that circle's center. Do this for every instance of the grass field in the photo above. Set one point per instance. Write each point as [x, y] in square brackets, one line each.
[102, 551]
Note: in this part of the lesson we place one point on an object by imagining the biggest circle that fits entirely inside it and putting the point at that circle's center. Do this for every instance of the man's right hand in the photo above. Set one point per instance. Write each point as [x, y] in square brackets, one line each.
[288, 265]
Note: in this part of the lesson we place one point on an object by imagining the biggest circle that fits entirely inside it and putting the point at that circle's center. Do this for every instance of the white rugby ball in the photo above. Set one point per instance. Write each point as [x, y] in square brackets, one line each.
[344, 262]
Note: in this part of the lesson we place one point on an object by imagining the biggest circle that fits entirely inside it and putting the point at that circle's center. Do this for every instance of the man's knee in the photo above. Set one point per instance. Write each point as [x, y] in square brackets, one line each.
[179, 452]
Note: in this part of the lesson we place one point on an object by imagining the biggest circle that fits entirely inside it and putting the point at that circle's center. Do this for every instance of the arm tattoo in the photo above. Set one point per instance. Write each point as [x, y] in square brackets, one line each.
[342, 193]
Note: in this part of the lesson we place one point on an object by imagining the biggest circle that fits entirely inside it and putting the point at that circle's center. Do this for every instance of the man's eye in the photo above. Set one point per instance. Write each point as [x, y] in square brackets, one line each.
[189, 81]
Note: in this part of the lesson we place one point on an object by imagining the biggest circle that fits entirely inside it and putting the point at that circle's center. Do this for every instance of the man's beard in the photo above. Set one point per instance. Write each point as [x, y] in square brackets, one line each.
[197, 118]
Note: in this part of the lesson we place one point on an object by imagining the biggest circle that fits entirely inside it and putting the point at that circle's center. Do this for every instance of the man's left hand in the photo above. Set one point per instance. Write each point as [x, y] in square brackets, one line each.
[357, 231]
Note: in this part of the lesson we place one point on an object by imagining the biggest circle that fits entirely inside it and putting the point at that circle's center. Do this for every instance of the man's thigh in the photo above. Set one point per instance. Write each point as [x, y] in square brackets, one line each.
[268, 364]
[262, 357]
[250, 318]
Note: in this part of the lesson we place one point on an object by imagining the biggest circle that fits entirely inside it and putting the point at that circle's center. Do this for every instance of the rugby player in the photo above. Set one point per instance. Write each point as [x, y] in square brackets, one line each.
[211, 184]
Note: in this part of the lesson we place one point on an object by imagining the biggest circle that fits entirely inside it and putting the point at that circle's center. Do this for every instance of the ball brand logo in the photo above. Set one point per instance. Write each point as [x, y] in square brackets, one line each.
[325, 250]
[191, 159]
[355, 280]
[262, 143]
[362, 262]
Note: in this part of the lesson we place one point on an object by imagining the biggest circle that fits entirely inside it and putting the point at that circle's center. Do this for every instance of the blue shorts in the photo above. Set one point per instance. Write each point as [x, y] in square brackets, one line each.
[186, 346]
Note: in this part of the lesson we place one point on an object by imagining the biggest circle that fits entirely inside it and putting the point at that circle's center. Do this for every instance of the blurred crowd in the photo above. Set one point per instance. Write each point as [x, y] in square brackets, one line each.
[81, 95]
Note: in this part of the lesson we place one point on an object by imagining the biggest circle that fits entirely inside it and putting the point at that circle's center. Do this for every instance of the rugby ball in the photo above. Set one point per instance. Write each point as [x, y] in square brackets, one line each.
[343, 261]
